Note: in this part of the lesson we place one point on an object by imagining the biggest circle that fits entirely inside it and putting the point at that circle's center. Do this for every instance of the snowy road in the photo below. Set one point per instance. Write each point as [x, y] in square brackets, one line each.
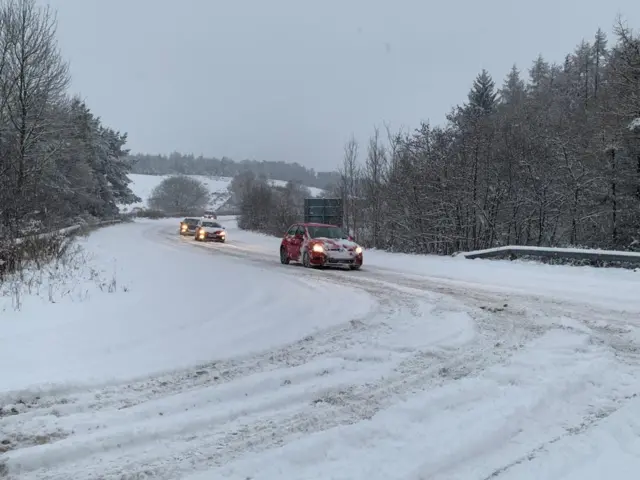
[404, 370]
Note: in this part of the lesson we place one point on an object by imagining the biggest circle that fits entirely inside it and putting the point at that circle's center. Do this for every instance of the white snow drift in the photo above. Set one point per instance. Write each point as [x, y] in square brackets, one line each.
[174, 359]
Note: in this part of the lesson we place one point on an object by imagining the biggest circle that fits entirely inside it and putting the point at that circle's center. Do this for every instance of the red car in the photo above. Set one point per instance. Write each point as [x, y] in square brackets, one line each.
[318, 245]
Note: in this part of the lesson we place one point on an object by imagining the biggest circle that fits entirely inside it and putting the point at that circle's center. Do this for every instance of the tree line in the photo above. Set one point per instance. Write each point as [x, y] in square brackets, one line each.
[188, 164]
[264, 207]
[58, 162]
[552, 159]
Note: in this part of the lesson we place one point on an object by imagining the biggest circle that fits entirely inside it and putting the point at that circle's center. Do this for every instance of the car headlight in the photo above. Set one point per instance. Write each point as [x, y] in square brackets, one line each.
[318, 248]
[184, 227]
[358, 250]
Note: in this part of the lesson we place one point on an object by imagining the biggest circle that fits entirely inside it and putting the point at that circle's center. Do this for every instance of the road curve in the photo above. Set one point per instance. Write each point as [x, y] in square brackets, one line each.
[460, 340]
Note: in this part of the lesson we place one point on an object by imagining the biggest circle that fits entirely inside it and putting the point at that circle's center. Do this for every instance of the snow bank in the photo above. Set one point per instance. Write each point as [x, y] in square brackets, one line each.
[566, 256]
[138, 306]
[521, 248]
[615, 288]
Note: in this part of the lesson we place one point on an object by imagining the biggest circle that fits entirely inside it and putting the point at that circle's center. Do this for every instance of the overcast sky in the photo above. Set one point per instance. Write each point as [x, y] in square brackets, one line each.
[292, 79]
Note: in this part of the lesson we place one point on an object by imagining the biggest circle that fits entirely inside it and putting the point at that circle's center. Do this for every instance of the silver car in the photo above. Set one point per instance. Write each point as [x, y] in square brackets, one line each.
[210, 230]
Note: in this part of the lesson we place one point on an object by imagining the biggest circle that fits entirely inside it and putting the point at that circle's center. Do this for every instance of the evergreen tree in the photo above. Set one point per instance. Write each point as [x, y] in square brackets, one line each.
[539, 75]
[599, 53]
[482, 97]
[557, 163]
[513, 89]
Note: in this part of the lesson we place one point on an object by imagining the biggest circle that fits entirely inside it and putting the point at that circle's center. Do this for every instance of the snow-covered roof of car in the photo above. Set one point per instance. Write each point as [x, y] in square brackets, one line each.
[210, 223]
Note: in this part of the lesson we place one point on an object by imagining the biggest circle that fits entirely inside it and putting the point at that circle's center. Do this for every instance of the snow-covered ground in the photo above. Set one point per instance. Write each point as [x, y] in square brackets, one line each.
[614, 287]
[174, 359]
[143, 185]
[315, 191]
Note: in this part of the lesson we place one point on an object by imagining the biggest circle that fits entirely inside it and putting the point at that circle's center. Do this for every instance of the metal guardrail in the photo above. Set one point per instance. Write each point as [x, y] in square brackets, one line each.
[66, 230]
[514, 251]
[63, 231]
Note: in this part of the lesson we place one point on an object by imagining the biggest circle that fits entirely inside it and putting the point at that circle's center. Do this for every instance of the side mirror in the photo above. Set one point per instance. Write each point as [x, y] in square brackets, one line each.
[350, 238]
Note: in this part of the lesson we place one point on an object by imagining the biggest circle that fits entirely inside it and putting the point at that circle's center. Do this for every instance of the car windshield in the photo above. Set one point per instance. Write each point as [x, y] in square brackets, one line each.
[191, 221]
[327, 232]
[211, 225]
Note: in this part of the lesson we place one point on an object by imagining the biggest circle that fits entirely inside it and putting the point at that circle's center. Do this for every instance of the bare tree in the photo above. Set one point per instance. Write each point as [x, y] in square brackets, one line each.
[552, 160]
[288, 206]
[33, 81]
[374, 187]
[350, 175]
[258, 208]
[269, 208]
[180, 194]
[58, 163]
[241, 185]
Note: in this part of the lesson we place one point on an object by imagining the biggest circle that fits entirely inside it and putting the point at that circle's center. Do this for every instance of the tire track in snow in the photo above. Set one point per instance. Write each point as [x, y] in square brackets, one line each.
[611, 328]
[165, 426]
[330, 406]
[589, 422]
[614, 329]
[320, 409]
[25, 409]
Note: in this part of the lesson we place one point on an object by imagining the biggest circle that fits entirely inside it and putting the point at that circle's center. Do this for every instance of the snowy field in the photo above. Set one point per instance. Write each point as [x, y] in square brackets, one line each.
[143, 185]
[315, 192]
[172, 359]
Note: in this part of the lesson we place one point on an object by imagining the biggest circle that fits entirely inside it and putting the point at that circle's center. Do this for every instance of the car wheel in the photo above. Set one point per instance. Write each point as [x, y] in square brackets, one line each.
[354, 267]
[284, 258]
[305, 260]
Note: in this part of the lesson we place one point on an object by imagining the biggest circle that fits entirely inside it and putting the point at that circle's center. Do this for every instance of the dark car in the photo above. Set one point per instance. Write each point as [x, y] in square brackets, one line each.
[188, 226]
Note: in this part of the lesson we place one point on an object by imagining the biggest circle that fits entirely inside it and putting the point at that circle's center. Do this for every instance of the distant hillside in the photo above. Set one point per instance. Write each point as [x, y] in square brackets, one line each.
[225, 167]
[143, 185]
